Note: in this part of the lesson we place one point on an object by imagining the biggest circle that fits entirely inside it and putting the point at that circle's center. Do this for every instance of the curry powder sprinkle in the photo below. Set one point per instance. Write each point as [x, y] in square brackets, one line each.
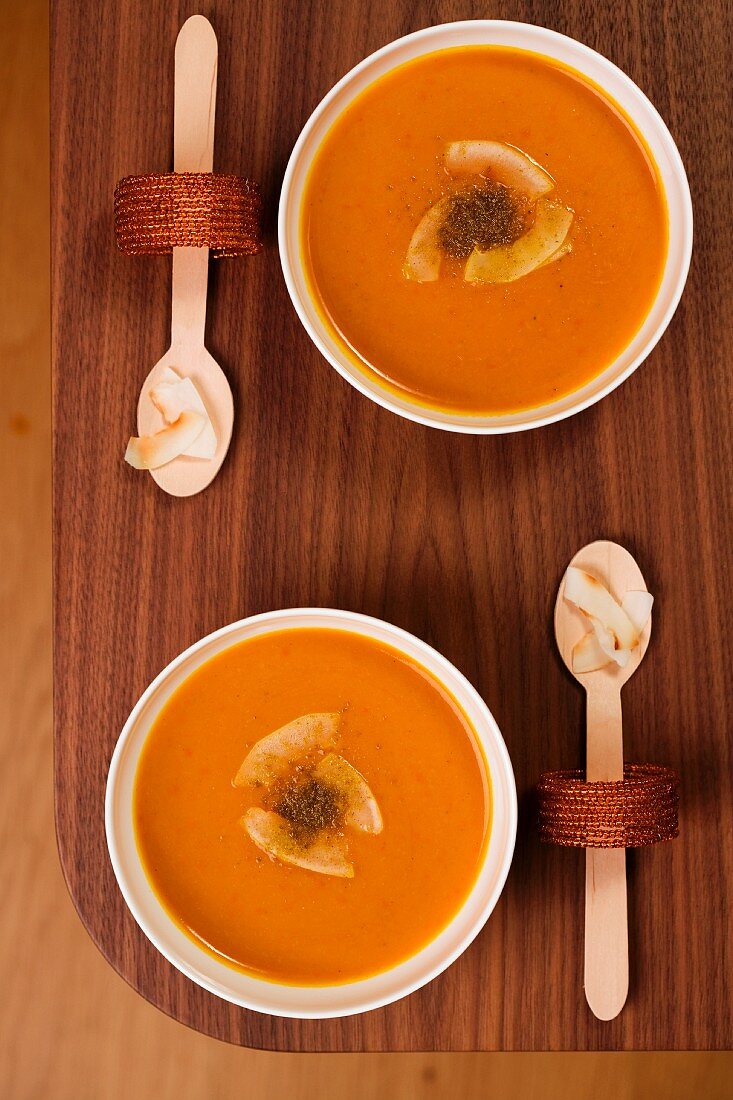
[309, 806]
[482, 217]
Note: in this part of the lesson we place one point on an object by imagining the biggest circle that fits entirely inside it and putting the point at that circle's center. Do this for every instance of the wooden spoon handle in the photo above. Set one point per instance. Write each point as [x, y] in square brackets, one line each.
[193, 151]
[606, 919]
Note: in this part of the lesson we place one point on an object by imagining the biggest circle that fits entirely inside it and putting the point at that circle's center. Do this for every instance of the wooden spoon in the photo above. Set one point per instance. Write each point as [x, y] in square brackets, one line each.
[606, 924]
[193, 151]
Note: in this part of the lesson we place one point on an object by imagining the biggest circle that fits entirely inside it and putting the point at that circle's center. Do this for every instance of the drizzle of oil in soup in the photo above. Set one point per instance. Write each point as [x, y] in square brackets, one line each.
[485, 350]
[400, 728]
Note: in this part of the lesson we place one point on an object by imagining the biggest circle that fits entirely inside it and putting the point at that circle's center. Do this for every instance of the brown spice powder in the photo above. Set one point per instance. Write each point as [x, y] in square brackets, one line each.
[482, 217]
[309, 806]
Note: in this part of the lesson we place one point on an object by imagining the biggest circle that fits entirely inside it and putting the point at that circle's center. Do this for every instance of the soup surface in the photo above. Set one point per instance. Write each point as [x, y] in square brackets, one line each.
[400, 729]
[482, 349]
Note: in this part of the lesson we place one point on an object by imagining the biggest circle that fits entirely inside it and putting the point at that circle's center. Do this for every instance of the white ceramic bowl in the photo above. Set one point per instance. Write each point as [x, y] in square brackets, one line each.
[272, 997]
[618, 86]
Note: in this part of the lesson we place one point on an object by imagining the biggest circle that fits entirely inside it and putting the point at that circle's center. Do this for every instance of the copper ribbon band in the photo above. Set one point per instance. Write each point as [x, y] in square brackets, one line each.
[154, 214]
[640, 809]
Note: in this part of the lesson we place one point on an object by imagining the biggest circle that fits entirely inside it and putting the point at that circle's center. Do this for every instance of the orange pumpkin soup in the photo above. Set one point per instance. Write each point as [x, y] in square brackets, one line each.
[515, 158]
[409, 863]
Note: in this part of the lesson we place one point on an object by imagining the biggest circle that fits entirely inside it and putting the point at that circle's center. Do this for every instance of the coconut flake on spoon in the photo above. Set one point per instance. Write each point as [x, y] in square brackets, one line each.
[616, 627]
[188, 431]
[149, 452]
[174, 395]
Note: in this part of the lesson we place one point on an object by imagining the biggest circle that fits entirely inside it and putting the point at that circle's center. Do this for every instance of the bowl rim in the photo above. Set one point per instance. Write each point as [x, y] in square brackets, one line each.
[488, 737]
[289, 213]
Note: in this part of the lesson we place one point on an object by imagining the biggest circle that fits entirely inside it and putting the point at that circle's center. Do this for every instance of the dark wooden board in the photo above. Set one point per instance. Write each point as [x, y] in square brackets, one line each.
[460, 540]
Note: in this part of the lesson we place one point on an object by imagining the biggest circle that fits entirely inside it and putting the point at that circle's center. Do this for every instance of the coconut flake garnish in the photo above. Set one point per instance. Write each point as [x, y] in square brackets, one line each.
[360, 806]
[503, 163]
[272, 756]
[502, 166]
[188, 432]
[311, 795]
[540, 244]
[424, 255]
[174, 395]
[616, 627]
[148, 452]
[273, 835]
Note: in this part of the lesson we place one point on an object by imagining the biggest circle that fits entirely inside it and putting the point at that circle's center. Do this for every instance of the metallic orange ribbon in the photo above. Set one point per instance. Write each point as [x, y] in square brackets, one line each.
[156, 213]
[640, 809]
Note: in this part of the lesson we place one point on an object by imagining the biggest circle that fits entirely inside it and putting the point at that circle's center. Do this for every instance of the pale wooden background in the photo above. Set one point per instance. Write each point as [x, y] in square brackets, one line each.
[69, 1027]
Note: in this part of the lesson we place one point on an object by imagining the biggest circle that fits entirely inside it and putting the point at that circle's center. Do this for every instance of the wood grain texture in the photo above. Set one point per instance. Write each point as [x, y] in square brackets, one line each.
[431, 531]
